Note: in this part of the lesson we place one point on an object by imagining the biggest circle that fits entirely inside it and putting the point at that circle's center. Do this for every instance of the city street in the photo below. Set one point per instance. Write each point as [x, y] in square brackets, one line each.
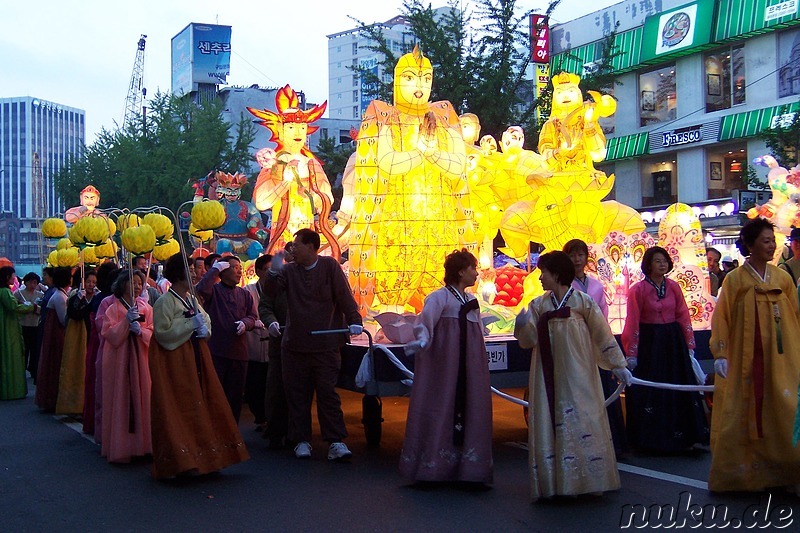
[53, 479]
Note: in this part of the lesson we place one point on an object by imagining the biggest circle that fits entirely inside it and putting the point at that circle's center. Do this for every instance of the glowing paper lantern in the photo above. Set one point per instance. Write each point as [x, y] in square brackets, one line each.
[88, 255]
[162, 252]
[126, 221]
[208, 215]
[139, 240]
[90, 230]
[63, 244]
[52, 258]
[67, 257]
[203, 236]
[54, 228]
[106, 250]
[161, 224]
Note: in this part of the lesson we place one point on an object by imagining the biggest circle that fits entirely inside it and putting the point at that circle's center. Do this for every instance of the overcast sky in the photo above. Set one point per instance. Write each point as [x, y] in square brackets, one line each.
[80, 53]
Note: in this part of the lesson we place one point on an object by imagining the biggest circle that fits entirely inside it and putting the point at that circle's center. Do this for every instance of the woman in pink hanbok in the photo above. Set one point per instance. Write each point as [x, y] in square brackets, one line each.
[126, 329]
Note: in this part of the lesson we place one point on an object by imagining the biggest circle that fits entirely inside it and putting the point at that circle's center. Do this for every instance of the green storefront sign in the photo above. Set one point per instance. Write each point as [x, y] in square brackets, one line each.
[677, 30]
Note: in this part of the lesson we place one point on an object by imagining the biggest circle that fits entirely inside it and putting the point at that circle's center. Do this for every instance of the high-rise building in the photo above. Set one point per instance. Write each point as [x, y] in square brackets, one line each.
[347, 97]
[36, 139]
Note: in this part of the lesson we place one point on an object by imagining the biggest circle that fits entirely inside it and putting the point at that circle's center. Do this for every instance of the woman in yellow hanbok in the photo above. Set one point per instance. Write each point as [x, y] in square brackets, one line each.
[755, 339]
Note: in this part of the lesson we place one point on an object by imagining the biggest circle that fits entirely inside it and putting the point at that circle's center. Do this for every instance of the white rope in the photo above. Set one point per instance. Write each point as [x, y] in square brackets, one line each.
[611, 399]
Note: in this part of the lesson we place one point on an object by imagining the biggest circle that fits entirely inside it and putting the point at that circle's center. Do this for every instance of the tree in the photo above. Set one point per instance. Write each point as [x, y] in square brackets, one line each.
[155, 163]
[334, 159]
[784, 140]
[482, 71]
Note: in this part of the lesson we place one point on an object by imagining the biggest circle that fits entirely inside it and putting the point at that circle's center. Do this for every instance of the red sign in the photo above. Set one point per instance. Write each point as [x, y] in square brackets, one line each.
[540, 39]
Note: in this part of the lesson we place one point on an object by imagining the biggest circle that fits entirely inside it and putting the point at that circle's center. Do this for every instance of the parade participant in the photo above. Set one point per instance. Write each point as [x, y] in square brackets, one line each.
[90, 199]
[755, 340]
[232, 315]
[569, 441]
[127, 328]
[30, 292]
[48, 289]
[448, 433]
[659, 344]
[272, 310]
[106, 274]
[99, 319]
[76, 334]
[12, 356]
[52, 341]
[715, 273]
[151, 292]
[578, 252]
[255, 387]
[792, 266]
[193, 428]
[319, 298]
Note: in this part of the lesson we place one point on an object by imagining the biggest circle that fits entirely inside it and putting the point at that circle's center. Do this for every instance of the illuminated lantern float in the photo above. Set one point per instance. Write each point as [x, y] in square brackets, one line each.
[292, 182]
[410, 207]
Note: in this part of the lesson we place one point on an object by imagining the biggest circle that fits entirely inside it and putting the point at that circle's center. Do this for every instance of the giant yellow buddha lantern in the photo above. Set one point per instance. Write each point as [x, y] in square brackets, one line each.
[568, 195]
[292, 182]
[409, 207]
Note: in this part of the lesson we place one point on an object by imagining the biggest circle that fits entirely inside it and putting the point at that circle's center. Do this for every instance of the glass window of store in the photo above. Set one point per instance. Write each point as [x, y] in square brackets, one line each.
[725, 78]
[657, 96]
[727, 169]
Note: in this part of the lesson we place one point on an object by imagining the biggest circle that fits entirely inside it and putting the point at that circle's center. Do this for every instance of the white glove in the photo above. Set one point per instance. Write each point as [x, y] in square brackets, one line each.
[721, 367]
[624, 375]
[132, 314]
[259, 325]
[198, 322]
[274, 329]
[699, 375]
[202, 332]
[633, 362]
[135, 328]
[221, 265]
[523, 318]
[240, 327]
[356, 329]
[276, 265]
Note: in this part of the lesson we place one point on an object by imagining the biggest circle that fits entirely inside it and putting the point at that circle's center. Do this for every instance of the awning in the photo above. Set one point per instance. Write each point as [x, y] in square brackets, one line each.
[626, 147]
[737, 19]
[751, 123]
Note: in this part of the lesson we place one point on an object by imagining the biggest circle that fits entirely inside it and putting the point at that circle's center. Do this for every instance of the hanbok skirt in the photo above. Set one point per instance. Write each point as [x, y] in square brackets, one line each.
[49, 370]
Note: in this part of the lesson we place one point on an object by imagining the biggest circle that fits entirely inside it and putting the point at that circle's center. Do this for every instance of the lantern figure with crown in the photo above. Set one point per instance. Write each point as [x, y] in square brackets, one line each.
[243, 229]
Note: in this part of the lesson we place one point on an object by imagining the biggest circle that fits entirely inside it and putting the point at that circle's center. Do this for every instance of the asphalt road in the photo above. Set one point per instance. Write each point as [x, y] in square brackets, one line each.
[53, 479]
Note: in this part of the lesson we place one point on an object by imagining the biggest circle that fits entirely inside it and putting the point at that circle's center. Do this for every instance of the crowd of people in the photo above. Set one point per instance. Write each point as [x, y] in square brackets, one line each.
[161, 364]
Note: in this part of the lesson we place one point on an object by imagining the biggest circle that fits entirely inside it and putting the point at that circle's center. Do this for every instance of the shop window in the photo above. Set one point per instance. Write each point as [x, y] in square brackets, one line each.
[789, 61]
[725, 78]
[657, 96]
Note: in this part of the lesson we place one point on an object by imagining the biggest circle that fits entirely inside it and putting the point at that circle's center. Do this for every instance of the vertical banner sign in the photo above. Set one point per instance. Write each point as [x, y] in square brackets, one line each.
[540, 39]
[542, 77]
[182, 62]
[367, 89]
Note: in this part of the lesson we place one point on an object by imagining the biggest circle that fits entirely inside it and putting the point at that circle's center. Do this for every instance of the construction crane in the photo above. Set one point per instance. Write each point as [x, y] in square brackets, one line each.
[39, 203]
[134, 110]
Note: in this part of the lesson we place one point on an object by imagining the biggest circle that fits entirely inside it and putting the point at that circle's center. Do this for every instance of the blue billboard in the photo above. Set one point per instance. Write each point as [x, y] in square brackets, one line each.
[201, 53]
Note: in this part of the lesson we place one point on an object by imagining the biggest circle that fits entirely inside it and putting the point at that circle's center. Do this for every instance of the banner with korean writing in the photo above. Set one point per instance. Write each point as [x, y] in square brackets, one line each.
[540, 39]
[542, 78]
[211, 53]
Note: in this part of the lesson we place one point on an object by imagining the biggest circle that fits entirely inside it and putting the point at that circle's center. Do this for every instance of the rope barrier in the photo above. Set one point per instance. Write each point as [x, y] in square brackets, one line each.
[366, 373]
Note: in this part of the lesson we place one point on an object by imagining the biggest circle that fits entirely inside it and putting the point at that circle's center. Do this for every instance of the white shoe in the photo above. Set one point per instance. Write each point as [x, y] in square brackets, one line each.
[339, 451]
[302, 450]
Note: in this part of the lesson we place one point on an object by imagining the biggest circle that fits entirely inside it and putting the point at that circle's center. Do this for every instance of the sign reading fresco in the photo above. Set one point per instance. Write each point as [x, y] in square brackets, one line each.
[688, 135]
[677, 138]
[678, 29]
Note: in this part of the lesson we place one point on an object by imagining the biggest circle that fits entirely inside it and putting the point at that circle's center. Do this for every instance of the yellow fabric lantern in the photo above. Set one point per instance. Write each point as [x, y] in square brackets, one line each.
[54, 228]
[52, 258]
[106, 250]
[162, 252]
[203, 236]
[63, 244]
[139, 240]
[161, 224]
[67, 257]
[128, 221]
[89, 257]
[91, 230]
[208, 215]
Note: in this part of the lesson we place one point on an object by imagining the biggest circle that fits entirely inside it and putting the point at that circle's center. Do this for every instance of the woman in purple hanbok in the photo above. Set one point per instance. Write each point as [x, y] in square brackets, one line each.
[449, 425]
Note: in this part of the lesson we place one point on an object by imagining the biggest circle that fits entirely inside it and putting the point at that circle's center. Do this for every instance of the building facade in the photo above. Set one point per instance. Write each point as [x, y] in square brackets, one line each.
[36, 139]
[697, 81]
[348, 98]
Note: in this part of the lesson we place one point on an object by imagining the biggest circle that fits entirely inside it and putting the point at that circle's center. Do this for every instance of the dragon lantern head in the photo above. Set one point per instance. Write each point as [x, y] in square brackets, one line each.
[229, 186]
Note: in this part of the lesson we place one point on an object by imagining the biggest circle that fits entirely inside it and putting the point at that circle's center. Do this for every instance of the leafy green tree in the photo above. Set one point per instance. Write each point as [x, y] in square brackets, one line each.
[334, 159]
[784, 140]
[479, 58]
[155, 162]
